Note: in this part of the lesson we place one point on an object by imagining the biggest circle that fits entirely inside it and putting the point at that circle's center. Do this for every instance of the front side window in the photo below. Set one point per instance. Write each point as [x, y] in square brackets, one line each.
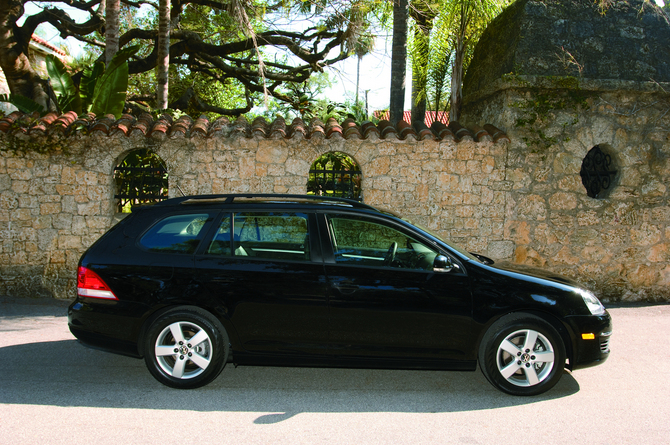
[271, 235]
[370, 243]
[176, 233]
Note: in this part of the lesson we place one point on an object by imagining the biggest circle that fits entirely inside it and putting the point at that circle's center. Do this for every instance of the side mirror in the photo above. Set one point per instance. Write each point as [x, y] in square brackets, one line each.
[443, 263]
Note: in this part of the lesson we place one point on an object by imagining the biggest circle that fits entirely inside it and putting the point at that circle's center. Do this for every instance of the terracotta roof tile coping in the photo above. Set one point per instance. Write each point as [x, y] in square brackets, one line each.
[185, 126]
[45, 43]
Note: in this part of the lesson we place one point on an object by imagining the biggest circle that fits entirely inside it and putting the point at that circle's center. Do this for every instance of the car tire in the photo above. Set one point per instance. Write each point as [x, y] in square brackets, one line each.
[186, 348]
[522, 354]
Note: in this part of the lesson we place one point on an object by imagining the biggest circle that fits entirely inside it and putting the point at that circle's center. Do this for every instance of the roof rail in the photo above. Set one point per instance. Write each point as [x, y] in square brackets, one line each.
[230, 198]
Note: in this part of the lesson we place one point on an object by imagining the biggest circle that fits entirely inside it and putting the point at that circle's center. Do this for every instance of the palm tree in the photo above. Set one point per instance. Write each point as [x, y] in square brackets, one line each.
[445, 32]
[163, 54]
[423, 14]
[398, 60]
[468, 18]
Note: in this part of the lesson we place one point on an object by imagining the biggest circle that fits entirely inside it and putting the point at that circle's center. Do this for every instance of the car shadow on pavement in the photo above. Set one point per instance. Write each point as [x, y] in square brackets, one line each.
[65, 373]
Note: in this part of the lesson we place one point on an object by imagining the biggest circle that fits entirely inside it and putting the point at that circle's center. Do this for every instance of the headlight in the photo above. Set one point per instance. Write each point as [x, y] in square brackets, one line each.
[592, 302]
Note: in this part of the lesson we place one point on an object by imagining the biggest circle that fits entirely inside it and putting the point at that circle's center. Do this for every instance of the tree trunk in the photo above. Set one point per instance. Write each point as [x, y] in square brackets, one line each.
[112, 12]
[163, 55]
[419, 70]
[457, 81]
[21, 77]
[358, 78]
[398, 60]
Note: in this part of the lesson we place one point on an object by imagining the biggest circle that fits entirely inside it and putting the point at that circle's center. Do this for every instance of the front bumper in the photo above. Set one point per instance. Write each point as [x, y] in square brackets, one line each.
[589, 351]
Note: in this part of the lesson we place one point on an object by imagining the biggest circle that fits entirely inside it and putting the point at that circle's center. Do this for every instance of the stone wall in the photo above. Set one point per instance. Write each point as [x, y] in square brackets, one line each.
[561, 77]
[56, 191]
[518, 198]
[617, 244]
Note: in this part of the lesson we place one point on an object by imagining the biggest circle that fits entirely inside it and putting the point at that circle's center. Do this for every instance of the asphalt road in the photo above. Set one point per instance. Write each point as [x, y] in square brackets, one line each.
[53, 391]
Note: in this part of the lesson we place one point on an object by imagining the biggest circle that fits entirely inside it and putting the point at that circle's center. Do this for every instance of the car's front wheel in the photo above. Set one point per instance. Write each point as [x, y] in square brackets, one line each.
[186, 348]
[522, 355]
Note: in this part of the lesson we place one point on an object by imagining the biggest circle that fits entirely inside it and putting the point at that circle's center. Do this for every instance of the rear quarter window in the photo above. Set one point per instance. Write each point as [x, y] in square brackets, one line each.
[176, 233]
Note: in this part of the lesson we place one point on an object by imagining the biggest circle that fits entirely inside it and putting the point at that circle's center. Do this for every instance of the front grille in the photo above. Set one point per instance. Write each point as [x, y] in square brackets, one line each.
[605, 343]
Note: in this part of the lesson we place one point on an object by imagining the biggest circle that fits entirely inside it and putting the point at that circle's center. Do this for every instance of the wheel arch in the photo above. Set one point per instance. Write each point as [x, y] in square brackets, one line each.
[225, 323]
[563, 330]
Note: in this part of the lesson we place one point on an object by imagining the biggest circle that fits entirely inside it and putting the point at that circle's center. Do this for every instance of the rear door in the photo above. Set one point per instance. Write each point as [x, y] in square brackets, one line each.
[263, 268]
[386, 301]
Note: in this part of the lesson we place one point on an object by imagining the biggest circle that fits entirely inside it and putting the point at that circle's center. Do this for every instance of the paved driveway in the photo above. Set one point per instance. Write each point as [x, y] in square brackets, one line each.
[53, 390]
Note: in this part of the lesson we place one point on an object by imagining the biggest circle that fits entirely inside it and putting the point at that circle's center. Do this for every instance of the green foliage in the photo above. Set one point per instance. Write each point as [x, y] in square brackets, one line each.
[305, 101]
[229, 53]
[102, 90]
[141, 179]
[358, 113]
[439, 66]
[540, 110]
[455, 27]
[62, 84]
[323, 110]
[224, 90]
[89, 79]
[22, 103]
[109, 94]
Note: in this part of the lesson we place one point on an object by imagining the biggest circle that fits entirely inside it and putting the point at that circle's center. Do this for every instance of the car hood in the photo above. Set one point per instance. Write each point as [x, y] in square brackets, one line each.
[534, 272]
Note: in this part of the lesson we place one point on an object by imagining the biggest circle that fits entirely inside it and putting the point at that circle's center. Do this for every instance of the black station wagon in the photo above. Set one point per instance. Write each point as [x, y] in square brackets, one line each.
[193, 283]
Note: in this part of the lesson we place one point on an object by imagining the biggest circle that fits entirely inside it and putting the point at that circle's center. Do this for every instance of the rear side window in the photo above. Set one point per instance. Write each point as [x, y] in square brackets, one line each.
[176, 234]
[271, 235]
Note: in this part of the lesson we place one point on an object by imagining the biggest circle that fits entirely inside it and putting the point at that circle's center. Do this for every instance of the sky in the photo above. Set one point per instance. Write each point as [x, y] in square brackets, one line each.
[375, 77]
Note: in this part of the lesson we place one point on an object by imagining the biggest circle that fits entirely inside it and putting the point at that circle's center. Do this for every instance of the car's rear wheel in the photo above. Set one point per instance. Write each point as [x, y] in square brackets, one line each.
[522, 354]
[186, 348]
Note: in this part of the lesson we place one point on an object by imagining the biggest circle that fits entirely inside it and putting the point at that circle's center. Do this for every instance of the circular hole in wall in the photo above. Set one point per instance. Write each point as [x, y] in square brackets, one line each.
[599, 171]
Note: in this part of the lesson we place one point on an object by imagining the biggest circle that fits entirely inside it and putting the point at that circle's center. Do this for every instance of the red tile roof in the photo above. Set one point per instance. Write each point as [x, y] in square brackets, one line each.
[70, 123]
[48, 45]
[430, 116]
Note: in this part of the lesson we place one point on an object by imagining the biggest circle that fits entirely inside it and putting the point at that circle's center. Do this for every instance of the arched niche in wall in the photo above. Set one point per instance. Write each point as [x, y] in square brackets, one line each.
[335, 174]
[599, 171]
[140, 179]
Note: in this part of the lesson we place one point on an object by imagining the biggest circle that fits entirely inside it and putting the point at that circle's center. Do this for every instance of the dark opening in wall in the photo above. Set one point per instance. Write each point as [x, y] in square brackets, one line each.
[141, 178]
[598, 172]
[335, 174]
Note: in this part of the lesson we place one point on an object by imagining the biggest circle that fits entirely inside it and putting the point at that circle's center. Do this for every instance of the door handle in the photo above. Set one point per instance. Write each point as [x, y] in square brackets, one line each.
[225, 280]
[345, 287]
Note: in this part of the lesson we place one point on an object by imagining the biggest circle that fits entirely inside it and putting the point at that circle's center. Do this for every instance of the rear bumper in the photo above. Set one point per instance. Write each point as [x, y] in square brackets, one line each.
[589, 352]
[112, 326]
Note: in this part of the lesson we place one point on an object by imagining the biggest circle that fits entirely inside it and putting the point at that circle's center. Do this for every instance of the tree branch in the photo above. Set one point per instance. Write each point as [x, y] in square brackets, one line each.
[191, 98]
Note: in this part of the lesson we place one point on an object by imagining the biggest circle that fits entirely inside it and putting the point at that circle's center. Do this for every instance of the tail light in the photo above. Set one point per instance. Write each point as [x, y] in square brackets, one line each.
[89, 284]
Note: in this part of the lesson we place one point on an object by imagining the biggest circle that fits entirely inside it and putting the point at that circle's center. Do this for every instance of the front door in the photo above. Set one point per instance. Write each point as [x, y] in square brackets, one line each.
[386, 301]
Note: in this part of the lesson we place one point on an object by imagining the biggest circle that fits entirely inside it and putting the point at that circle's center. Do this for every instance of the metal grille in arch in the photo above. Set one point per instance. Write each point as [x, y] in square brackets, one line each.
[335, 174]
